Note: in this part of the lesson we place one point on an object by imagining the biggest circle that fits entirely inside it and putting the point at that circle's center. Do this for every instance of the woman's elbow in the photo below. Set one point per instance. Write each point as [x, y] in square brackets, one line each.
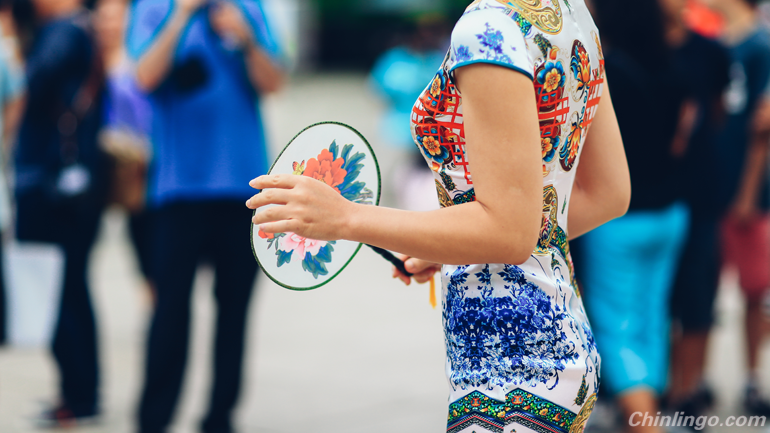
[522, 242]
[520, 257]
[621, 200]
[272, 84]
[145, 83]
[149, 76]
[508, 254]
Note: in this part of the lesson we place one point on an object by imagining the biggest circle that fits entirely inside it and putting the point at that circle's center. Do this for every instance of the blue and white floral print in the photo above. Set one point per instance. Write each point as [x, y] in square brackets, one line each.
[463, 54]
[492, 40]
[491, 37]
[503, 330]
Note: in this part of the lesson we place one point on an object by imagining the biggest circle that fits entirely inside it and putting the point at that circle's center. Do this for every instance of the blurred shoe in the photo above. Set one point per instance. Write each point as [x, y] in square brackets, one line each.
[699, 403]
[706, 396]
[755, 403]
[61, 417]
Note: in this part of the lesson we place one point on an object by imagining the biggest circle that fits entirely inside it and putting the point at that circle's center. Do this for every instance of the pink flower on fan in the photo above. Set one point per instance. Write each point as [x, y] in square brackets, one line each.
[300, 246]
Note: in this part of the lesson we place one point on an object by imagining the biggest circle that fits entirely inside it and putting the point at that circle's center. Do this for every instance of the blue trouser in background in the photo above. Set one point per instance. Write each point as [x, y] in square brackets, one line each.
[628, 268]
[74, 227]
[186, 234]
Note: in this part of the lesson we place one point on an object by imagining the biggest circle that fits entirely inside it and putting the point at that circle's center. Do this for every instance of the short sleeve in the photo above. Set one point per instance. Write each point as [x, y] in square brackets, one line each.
[256, 17]
[145, 22]
[489, 36]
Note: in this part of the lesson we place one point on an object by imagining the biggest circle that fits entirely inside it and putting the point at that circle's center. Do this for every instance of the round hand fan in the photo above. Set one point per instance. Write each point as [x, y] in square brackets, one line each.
[341, 157]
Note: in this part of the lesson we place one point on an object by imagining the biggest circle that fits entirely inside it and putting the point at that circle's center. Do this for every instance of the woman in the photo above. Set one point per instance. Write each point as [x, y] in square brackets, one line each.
[629, 264]
[511, 104]
[60, 178]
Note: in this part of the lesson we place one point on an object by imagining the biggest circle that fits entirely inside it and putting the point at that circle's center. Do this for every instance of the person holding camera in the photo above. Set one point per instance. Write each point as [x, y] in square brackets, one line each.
[204, 65]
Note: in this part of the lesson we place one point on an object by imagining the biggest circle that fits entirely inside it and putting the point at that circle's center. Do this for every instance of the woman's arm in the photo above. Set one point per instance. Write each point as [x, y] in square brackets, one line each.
[265, 76]
[13, 112]
[153, 67]
[602, 190]
[501, 226]
[229, 22]
[746, 203]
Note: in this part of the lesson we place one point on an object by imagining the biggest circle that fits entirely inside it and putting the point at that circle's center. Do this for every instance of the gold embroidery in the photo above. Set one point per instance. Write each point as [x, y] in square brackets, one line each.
[550, 220]
[579, 424]
[443, 196]
[546, 18]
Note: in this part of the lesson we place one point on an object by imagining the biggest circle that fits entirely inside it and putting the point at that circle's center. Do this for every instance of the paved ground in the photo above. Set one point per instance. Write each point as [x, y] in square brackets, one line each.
[362, 354]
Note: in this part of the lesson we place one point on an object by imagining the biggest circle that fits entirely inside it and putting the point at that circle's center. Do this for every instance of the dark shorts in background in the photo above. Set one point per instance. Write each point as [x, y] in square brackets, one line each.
[697, 280]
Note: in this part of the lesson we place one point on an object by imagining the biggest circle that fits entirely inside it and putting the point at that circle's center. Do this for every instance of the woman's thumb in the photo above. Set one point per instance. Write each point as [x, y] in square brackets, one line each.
[411, 266]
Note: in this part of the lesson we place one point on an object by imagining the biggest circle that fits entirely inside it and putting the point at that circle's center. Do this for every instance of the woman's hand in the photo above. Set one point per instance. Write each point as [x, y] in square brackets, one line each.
[422, 271]
[228, 22]
[189, 6]
[309, 208]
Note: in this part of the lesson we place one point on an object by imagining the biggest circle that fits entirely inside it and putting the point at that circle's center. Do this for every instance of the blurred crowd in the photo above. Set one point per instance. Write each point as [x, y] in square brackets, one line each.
[157, 112]
[153, 106]
[697, 146]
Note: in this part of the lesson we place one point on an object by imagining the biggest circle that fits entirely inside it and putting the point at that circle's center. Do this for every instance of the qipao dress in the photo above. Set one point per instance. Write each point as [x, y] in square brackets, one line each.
[521, 355]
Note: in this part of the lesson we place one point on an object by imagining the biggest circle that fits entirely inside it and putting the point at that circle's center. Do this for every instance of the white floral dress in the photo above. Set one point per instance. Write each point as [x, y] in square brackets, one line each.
[521, 356]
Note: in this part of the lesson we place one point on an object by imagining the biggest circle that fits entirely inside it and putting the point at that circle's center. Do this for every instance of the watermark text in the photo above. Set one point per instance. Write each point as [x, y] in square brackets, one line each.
[680, 419]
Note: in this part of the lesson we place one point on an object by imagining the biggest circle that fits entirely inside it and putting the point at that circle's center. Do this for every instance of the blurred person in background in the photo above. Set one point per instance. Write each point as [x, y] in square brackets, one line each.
[697, 181]
[127, 125]
[628, 265]
[11, 108]
[740, 226]
[205, 65]
[60, 182]
[703, 20]
[398, 76]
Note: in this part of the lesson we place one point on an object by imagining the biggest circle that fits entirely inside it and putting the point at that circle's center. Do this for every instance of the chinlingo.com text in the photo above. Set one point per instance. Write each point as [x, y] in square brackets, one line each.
[680, 419]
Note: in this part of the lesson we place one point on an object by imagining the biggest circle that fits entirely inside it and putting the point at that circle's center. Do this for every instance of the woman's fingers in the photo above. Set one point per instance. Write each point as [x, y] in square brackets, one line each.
[424, 277]
[285, 226]
[416, 266]
[284, 181]
[270, 196]
[397, 274]
[272, 214]
[421, 271]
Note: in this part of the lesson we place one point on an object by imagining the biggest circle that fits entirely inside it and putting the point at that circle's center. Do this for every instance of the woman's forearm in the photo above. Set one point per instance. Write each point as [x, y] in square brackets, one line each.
[154, 66]
[501, 226]
[12, 115]
[589, 210]
[459, 235]
[264, 75]
[754, 171]
[602, 189]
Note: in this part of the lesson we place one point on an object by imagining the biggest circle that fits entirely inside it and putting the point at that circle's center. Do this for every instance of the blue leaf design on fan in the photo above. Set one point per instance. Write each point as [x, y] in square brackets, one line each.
[317, 255]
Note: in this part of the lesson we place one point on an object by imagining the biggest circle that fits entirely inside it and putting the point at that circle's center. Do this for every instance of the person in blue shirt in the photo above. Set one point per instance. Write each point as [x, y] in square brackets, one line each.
[205, 64]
